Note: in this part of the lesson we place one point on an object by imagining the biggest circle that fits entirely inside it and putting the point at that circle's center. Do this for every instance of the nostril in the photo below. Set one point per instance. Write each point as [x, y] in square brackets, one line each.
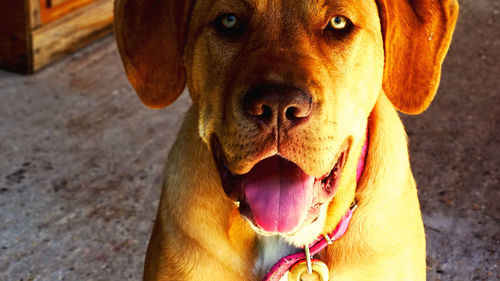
[259, 104]
[292, 113]
[267, 113]
[298, 110]
[259, 110]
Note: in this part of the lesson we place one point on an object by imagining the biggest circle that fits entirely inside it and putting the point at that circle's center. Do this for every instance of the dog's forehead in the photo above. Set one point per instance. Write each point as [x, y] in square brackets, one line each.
[291, 6]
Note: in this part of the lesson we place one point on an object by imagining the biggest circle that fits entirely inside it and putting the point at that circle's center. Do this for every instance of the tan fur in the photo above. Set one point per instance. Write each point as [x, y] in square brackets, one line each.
[396, 47]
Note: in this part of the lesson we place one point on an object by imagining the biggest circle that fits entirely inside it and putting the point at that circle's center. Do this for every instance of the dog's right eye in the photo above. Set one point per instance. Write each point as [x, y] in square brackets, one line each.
[228, 25]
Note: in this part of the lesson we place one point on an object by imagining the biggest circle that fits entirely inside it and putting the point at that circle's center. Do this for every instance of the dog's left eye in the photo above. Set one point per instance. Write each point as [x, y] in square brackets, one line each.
[228, 25]
[338, 23]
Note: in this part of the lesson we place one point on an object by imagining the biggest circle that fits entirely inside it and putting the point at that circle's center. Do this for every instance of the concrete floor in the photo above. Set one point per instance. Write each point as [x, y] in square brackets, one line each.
[82, 159]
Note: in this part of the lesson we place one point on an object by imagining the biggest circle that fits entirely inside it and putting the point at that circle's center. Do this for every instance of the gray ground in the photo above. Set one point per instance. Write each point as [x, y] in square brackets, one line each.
[82, 158]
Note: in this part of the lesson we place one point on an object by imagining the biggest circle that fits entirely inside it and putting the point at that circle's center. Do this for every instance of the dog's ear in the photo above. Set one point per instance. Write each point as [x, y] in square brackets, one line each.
[150, 35]
[417, 34]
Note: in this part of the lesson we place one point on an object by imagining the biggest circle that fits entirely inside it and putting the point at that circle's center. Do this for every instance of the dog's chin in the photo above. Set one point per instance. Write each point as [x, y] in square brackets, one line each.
[277, 197]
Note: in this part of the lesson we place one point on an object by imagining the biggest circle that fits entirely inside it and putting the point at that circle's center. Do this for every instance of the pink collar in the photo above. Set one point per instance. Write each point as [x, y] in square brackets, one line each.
[284, 264]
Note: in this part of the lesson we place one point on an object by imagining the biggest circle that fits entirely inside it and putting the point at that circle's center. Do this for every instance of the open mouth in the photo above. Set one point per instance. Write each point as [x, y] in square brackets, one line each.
[276, 195]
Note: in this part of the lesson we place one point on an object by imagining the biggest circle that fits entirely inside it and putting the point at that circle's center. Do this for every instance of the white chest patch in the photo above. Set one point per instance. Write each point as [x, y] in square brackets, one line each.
[271, 250]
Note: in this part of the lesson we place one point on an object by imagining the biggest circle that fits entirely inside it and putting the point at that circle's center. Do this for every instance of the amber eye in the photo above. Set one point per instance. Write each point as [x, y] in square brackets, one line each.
[338, 23]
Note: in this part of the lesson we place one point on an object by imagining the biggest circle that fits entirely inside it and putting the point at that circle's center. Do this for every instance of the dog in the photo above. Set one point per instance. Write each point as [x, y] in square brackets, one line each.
[293, 124]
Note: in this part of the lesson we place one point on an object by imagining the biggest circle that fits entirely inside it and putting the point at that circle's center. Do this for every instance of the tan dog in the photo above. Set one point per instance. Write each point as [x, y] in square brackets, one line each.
[283, 94]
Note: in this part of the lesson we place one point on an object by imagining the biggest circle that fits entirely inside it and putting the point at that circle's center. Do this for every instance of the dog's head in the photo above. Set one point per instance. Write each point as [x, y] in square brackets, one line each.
[284, 88]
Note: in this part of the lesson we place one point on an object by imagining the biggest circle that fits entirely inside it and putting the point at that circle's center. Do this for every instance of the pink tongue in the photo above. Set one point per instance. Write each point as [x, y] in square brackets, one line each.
[279, 194]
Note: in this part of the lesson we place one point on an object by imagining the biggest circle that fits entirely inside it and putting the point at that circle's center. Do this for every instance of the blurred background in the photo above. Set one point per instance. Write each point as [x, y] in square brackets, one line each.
[81, 157]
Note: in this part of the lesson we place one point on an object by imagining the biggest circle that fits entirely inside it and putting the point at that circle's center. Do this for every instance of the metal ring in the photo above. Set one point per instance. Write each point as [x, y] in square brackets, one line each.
[308, 259]
[328, 239]
[354, 205]
[318, 267]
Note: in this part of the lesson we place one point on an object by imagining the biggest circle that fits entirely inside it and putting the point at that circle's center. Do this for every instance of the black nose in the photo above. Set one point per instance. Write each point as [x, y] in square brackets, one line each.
[282, 105]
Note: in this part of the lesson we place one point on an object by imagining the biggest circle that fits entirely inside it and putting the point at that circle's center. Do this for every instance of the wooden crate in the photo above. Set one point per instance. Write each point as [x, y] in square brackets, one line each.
[34, 33]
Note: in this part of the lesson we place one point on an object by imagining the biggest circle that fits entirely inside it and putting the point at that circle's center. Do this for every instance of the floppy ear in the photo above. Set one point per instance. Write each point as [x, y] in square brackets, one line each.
[417, 34]
[150, 35]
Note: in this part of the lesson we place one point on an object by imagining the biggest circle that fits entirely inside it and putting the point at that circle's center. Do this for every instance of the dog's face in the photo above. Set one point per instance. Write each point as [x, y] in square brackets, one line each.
[288, 49]
[284, 88]
[292, 80]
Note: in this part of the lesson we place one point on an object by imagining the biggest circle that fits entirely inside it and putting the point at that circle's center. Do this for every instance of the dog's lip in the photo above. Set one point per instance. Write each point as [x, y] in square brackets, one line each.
[331, 179]
[233, 184]
[341, 155]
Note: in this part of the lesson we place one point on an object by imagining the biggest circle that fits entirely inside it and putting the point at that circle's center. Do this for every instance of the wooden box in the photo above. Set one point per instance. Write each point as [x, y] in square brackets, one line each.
[34, 33]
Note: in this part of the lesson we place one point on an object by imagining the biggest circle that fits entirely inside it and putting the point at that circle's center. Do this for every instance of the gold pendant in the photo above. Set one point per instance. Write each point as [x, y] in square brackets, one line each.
[299, 271]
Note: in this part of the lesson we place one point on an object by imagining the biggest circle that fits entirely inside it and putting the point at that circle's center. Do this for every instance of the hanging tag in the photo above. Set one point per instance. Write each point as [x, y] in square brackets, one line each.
[318, 268]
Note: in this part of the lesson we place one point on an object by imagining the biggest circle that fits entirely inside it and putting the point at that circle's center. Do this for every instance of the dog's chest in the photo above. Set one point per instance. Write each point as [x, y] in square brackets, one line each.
[270, 250]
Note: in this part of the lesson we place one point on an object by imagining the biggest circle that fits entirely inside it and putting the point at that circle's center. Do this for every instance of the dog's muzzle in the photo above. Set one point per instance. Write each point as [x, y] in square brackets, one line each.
[276, 195]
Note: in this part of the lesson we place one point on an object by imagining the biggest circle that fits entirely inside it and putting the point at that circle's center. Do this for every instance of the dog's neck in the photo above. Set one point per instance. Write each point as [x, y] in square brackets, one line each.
[271, 249]
[274, 248]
